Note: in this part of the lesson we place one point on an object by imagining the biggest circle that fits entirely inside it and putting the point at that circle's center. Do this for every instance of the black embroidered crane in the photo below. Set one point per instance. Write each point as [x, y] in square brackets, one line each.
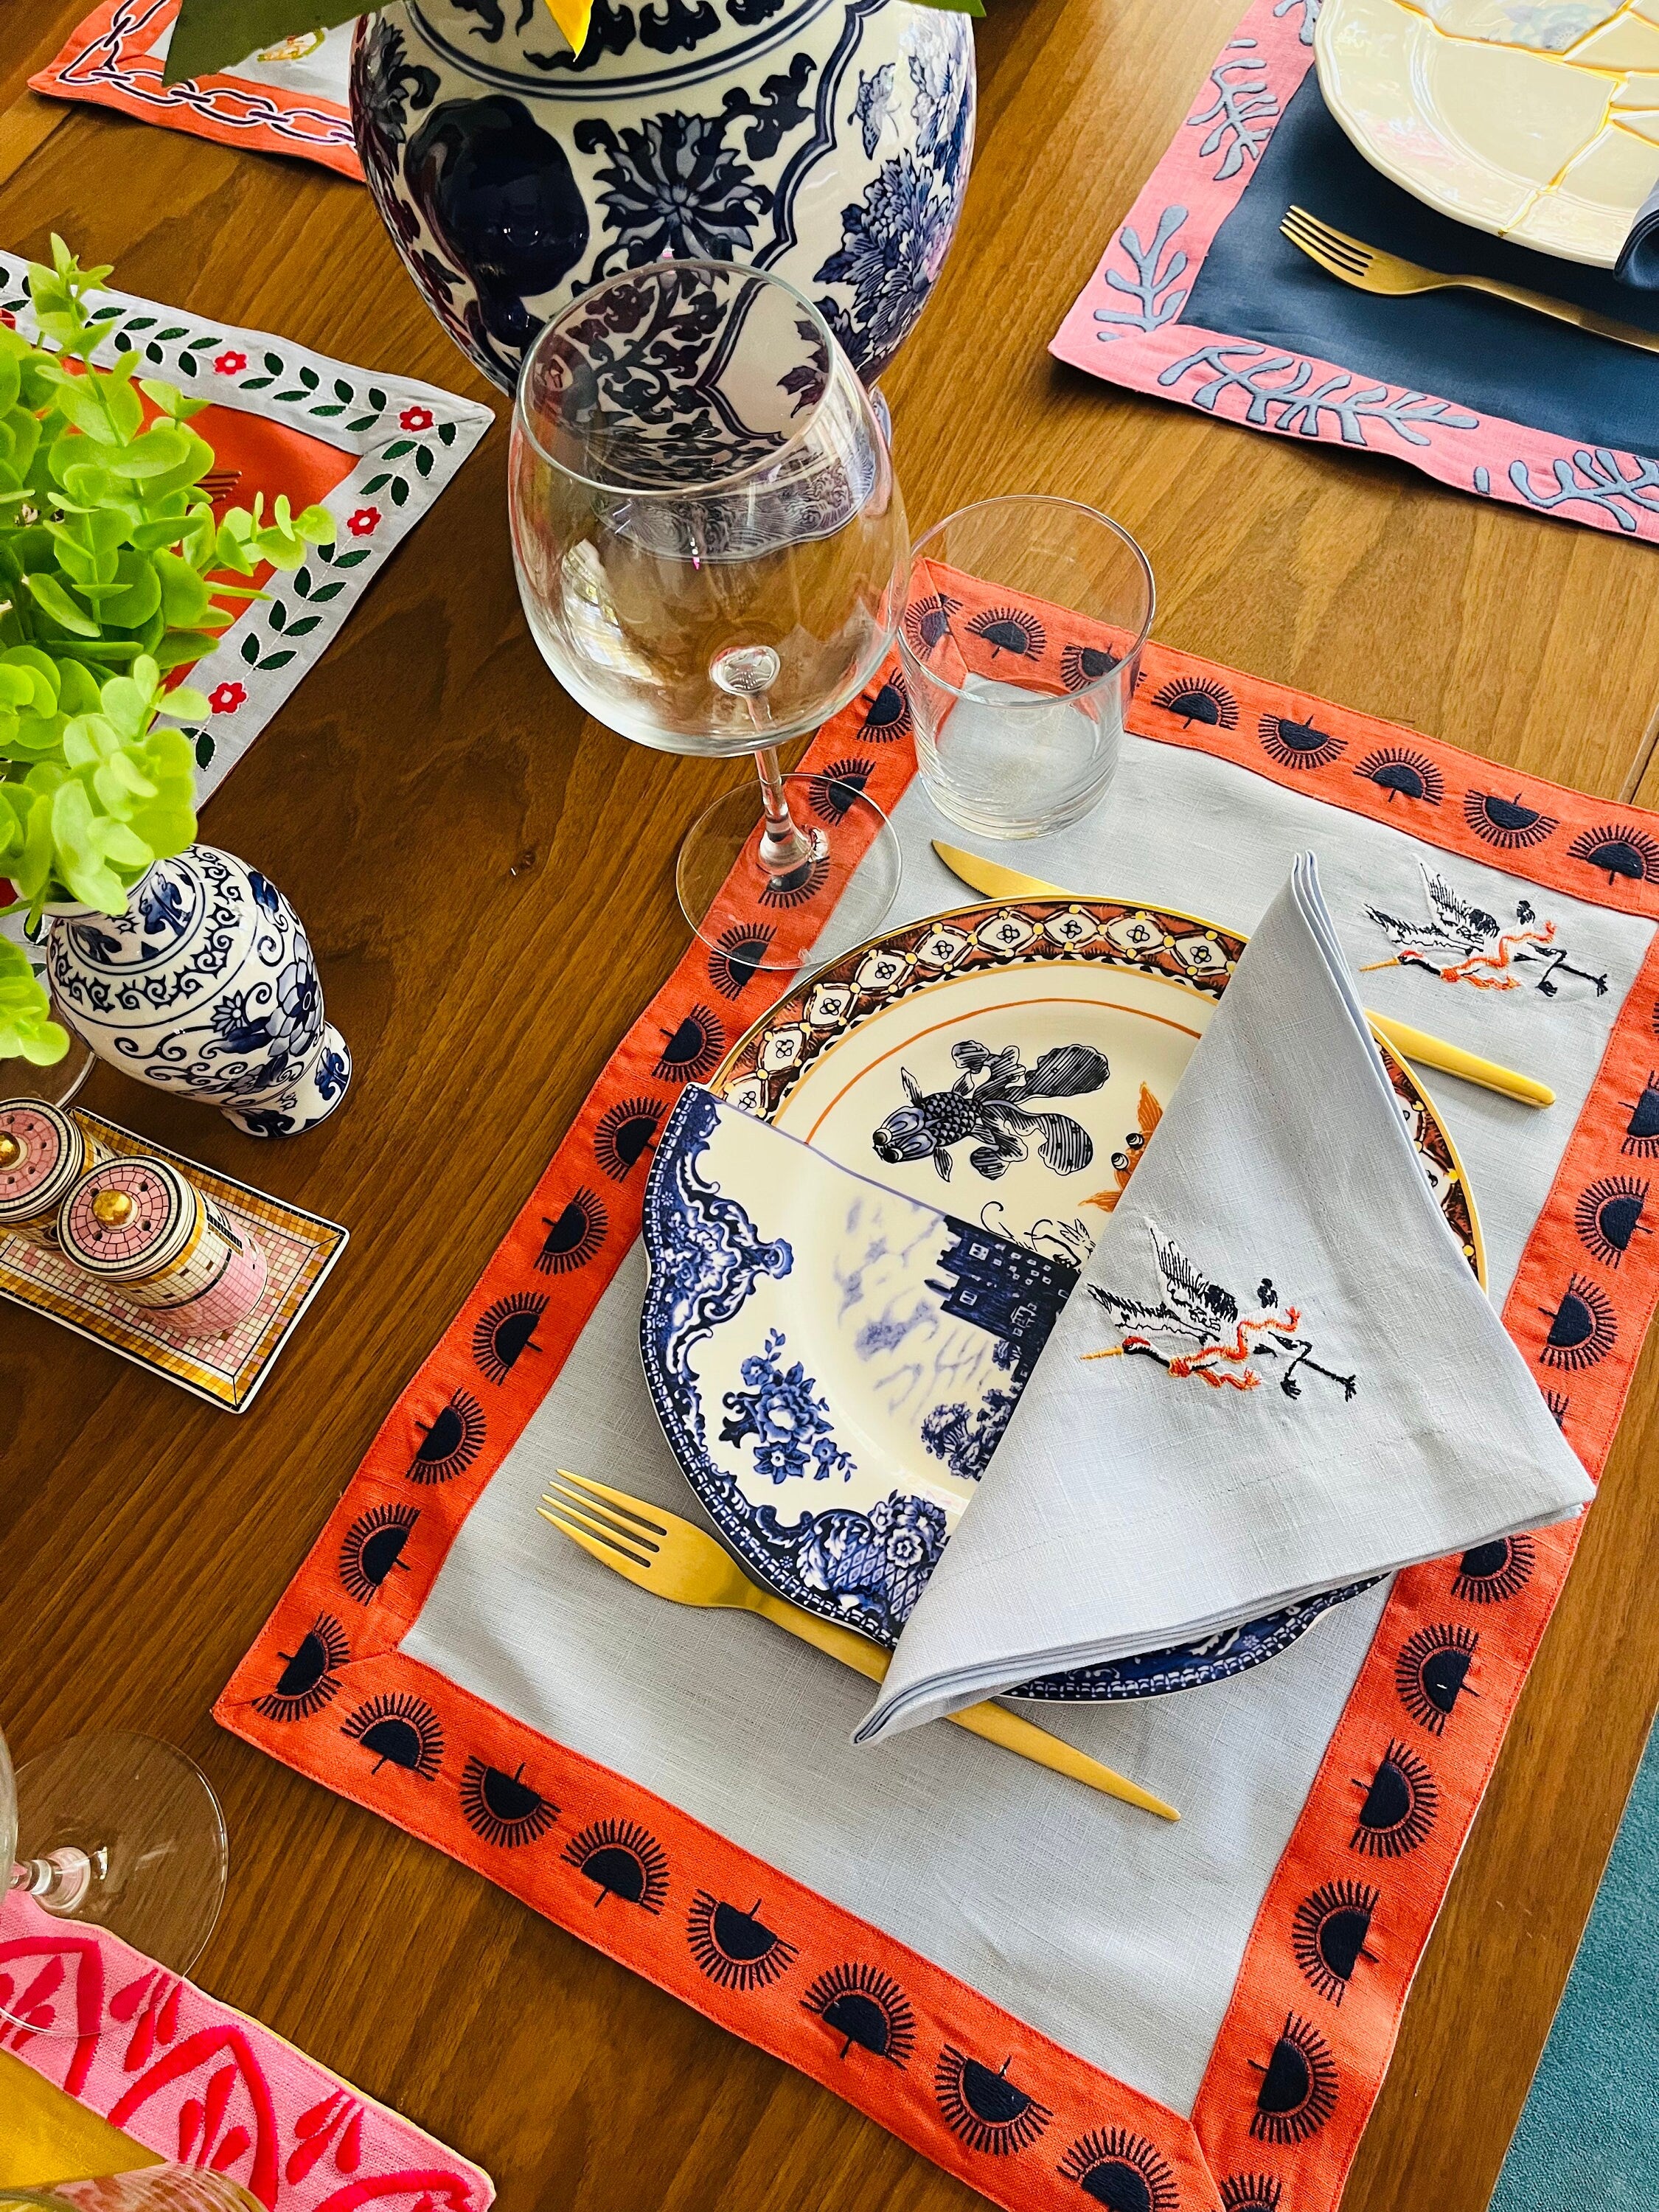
[1461, 942]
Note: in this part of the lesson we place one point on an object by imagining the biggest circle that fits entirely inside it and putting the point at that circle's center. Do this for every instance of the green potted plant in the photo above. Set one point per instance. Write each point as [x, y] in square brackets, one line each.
[113, 572]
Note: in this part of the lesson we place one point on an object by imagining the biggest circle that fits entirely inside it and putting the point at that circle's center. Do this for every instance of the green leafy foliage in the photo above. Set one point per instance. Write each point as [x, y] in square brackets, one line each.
[26, 1030]
[111, 564]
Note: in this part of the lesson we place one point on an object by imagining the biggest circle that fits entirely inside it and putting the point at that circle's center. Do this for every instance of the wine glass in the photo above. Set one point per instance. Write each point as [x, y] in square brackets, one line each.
[118, 1831]
[711, 550]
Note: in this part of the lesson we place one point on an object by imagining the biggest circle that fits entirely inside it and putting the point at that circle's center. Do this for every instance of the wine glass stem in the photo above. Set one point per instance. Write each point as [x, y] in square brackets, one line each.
[785, 850]
[59, 1882]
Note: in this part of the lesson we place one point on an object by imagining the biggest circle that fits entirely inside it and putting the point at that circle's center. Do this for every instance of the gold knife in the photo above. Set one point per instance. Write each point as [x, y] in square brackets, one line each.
[992, 880]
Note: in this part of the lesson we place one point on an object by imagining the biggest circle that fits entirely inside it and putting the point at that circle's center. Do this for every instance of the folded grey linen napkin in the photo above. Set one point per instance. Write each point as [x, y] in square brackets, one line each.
[1278, 1374]
[1638, 258]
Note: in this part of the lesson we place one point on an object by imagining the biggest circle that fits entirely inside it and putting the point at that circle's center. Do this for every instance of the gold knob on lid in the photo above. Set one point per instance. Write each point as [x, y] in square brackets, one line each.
[113, 1207]
[11, 1152]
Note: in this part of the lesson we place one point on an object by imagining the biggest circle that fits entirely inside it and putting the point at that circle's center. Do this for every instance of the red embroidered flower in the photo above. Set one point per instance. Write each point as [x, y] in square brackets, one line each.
[230, 364]
[365, 522]
[226, 698]
[415, 418]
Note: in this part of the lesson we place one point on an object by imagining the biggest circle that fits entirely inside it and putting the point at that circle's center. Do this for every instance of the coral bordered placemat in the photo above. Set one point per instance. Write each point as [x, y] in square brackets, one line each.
[1199, 299]
[294, 98]
[1295, 2069]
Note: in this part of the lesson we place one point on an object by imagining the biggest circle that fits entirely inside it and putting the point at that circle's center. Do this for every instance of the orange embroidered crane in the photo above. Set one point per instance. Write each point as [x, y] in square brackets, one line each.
[1461, 942]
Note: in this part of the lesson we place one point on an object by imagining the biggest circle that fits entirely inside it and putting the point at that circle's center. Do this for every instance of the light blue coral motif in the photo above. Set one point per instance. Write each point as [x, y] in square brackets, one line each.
[1302, 405]
[1309, 16]
[1596, 478]
[1155, 287]
[1238, 121]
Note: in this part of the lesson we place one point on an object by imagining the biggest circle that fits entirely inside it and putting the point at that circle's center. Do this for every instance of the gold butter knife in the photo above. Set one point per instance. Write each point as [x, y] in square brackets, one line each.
[674, 1559]
[992, 880]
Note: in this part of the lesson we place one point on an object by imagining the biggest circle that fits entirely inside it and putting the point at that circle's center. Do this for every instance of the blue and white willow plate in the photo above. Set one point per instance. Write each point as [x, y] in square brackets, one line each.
[832, 1362]
[1006, 1063]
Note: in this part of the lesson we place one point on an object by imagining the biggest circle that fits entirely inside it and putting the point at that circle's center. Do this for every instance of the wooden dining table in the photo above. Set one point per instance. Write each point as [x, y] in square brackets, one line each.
[486, 876]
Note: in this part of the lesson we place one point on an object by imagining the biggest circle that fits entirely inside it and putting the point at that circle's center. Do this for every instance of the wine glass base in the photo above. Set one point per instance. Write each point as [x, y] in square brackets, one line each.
[808, 913]
[134, 1824]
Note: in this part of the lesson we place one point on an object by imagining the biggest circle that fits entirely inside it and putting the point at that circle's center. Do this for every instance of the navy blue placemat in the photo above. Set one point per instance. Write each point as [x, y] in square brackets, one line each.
[1497, 359]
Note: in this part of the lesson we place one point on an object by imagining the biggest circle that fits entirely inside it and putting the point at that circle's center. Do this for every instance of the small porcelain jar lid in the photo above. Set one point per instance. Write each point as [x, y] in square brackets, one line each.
[131, 1218]
[42, 1154]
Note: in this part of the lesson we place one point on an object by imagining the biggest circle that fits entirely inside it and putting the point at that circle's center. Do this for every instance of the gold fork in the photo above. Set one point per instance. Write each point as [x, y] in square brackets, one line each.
[675, 1560]
[1370, 269]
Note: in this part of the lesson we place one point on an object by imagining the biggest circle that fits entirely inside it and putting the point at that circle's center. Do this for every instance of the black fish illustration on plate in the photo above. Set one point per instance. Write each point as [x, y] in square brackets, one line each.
[987, 1103]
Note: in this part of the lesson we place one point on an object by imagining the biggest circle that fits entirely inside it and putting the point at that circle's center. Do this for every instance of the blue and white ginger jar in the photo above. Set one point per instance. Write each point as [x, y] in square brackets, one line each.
[206, 985]
[826, 140]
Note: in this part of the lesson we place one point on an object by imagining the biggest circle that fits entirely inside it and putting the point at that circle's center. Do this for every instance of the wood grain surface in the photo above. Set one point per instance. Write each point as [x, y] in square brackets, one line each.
[486, 878]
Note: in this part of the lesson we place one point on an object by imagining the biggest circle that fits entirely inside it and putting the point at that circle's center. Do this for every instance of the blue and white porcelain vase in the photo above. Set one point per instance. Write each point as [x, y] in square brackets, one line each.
[206, 985]
[826, 140]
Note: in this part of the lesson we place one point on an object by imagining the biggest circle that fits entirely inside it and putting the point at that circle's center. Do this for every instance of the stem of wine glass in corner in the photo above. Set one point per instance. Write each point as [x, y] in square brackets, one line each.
[787, 851]
[59, 1881]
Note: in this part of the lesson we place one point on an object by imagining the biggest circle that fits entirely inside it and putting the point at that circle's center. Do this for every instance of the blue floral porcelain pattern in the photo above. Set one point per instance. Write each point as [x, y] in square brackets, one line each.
[829, 140]
[955, 1302]
[207, 985]
[790, 1425]
[864, 1566]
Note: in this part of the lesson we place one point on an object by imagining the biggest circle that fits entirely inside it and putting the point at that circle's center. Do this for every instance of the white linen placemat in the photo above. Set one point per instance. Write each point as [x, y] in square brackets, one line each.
[1118, 1935]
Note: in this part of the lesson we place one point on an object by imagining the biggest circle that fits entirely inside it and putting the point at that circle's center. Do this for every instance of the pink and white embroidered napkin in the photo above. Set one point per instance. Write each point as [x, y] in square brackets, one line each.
[1278, 1375]
[195, 2081]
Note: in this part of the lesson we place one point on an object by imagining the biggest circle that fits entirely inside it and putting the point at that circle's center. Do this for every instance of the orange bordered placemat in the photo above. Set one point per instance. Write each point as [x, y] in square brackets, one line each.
[1302, 2050]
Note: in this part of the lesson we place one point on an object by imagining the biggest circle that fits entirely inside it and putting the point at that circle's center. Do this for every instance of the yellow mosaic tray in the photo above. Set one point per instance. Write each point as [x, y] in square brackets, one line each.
[226, 1369]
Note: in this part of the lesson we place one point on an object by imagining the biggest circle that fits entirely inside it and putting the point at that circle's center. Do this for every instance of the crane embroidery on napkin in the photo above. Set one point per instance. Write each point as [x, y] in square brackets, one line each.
[1460, 943]
[1198, 1327]
[987, 1103]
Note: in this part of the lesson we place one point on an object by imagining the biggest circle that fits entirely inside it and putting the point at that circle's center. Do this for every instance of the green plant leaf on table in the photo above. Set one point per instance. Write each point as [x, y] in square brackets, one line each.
[111, 564]
[26, 1029]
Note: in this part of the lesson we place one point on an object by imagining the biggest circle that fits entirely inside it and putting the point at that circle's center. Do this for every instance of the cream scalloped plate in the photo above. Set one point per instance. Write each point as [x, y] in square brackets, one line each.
[1537, 120]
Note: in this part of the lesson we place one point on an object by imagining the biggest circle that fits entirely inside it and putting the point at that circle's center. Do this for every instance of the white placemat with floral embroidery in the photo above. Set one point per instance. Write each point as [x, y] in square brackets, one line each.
[401, 441]
[378, 449]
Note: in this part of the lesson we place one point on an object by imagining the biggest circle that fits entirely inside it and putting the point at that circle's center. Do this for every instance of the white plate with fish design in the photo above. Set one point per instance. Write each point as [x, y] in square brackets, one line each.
[1537, 120]
[1008, 1063]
